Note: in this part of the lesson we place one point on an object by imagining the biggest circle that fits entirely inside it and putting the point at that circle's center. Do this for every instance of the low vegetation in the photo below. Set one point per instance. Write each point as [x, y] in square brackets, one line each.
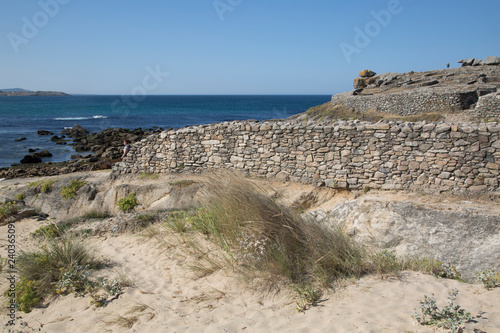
[451, 317]
[69, 191]
[7, 209]
[272, 246]
[43, 185]
[62, 266]
[128, 203]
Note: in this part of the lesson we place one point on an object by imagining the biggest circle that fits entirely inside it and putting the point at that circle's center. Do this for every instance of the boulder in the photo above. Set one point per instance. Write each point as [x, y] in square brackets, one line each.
[466, 62]
[359, 83]
[491, 61]
[20, 139]
[476, 62]
[367, 73]
[43, 132]
[43, 153]
[75, 132]
[32, 158]
[386, 78]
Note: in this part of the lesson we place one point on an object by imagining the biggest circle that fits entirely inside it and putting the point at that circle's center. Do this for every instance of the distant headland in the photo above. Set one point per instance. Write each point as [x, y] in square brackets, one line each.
[23, 92]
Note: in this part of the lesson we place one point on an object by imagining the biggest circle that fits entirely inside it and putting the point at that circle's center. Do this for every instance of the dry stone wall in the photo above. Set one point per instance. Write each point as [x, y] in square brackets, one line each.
[416, 101]
[355, 155]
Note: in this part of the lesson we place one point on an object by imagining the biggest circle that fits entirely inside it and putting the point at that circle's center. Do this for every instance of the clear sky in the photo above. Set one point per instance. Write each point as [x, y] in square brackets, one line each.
[233, 46]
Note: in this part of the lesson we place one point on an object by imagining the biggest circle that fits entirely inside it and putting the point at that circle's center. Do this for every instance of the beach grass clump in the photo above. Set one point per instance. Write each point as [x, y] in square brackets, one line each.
[62, 266]
[268, 238]
[177, 222]
[128, 203]
[7, 209]
[40, 271]
[69, 191]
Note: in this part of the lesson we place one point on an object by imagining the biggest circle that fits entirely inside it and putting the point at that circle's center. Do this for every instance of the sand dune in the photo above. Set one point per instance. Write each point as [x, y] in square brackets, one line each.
[166, 296]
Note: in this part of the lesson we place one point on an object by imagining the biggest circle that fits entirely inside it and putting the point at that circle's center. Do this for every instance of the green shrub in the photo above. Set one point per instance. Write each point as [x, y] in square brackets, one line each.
[44, 185]
[128, 203]
[489, 278]
[27, 295]
[451, 317]
[20, 196]
[51, 231]
[69, 191]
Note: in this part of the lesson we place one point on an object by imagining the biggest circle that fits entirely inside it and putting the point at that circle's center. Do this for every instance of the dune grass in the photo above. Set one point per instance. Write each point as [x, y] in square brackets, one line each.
[272, 245]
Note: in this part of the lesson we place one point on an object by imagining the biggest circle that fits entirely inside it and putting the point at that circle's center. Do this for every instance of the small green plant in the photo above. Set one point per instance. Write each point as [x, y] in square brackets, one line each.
[490, 279]
[44, 185]
[128, 203]
[27, 295]
[47, 185]
[308, 296]
[451, 317]
[7, 209]
[69, 191]
[20, 196]
[74, 278]
[98, 300]
[51, 231]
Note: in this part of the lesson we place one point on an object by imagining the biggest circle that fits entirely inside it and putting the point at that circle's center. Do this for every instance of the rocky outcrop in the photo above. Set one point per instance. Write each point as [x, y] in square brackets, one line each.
[447, 90]
[468, 238]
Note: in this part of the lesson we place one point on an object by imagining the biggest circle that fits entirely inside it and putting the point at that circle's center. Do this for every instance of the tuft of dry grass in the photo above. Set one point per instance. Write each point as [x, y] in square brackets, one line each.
[273, 241]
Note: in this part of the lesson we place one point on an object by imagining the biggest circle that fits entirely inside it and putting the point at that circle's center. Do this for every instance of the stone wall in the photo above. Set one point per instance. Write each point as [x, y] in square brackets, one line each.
[416, 101]
[355, 155]
[488, 106]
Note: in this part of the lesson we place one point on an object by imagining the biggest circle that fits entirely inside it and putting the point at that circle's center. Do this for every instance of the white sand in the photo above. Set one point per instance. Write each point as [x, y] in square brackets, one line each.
[167, 297]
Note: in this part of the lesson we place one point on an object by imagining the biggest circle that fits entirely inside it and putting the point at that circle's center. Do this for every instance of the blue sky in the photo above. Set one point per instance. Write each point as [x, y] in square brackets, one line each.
[233, 46]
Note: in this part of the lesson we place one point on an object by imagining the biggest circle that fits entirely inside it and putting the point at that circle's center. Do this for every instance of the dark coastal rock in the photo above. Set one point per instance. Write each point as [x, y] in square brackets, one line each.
[75, 132]
[55, 138]
[32, 158]
[43, 132]
[20, 139]
[32, 150]
[43, 153]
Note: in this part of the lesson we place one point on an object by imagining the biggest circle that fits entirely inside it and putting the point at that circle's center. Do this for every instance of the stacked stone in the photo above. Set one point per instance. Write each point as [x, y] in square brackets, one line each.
[355, 155]
[488, 106]
[416, 101]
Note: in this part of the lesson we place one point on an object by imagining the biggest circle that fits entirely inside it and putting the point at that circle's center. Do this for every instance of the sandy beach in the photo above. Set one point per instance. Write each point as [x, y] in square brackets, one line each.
[166, 295]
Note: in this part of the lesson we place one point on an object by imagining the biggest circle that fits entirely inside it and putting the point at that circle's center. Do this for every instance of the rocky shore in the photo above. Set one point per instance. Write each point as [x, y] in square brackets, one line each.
[93, 151]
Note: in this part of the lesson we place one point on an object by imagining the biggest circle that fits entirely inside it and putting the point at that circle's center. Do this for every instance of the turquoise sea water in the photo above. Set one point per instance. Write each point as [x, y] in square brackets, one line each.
[24, 116]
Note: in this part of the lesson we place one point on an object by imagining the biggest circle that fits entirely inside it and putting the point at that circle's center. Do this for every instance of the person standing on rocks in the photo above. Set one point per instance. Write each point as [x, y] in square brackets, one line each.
[126, 149]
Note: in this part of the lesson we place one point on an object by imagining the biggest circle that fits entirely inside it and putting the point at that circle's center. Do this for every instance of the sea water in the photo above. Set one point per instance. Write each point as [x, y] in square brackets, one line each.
[22, 117]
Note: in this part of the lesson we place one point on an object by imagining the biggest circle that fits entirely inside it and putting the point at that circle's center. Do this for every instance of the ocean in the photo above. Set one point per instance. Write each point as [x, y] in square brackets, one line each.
[22, 117]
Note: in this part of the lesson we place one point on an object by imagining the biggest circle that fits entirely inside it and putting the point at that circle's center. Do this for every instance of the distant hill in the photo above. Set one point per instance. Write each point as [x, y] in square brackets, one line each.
[15, 90]
[24, 92]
